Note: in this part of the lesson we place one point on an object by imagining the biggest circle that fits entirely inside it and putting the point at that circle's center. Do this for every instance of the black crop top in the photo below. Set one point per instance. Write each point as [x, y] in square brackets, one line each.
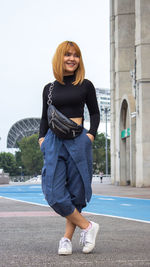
[70, 99]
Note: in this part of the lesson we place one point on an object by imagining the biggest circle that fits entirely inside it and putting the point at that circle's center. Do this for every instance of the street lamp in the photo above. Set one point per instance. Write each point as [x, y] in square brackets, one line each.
[20, 167]
[106, 110]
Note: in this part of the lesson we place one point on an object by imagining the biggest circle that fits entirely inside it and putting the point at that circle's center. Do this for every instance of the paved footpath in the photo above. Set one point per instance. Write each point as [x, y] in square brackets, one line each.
[29, 235]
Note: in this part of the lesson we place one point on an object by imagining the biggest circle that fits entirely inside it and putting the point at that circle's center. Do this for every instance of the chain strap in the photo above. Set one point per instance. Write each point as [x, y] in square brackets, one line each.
[49, 101]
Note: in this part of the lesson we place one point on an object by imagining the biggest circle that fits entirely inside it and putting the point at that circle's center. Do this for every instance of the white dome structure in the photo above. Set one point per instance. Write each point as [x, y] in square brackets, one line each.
[22, 128]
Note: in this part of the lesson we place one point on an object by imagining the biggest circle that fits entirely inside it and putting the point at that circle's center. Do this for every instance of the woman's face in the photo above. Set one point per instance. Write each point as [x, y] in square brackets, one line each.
[71, 62]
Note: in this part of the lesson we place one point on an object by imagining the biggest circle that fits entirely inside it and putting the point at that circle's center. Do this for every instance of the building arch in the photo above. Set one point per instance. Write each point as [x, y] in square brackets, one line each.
[124, 144]
[127, 141]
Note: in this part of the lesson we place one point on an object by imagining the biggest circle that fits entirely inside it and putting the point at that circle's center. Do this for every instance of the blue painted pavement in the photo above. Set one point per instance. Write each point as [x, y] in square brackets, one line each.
[131, 208]
[122, 207]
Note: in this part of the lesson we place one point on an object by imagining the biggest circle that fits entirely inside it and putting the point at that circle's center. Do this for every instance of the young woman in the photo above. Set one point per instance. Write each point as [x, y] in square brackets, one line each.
[67, 170]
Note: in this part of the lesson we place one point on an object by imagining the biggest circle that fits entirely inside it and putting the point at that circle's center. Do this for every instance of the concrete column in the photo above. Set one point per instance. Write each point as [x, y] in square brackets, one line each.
[112, 89]
[142, 40]
[122, 16]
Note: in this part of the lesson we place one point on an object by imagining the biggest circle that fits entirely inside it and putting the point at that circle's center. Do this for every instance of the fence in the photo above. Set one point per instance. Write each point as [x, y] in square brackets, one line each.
[106, 178]
[20, 178]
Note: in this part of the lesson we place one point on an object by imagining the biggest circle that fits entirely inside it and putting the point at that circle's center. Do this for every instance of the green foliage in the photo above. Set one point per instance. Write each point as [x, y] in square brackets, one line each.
[31, 160]
[99, 160]
[99, 141]
[23, 170]
[8, 163]
[31, 156]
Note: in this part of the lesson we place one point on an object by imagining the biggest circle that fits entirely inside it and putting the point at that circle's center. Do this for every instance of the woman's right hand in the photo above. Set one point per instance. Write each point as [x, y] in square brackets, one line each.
[41, 141]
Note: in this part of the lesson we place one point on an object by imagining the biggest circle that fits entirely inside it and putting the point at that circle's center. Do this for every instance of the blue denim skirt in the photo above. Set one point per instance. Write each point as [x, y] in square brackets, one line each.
[68, 169]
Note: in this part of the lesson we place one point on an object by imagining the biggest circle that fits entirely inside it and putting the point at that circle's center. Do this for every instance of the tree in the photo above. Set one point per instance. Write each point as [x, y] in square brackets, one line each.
[99, 160]
[8, 163]
[31, 159]
[19, 162]
[31, 155]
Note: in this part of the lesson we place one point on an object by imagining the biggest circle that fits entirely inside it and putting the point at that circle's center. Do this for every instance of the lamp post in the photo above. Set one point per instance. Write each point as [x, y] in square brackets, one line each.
[106, 109]
[20, 167]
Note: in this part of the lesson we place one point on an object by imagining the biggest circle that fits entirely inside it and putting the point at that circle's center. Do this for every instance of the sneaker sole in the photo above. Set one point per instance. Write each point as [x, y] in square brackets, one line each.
[64, 253]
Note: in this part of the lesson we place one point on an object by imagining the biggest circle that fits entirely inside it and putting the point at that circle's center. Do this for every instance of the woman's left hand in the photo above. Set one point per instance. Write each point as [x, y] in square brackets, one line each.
[91, 137]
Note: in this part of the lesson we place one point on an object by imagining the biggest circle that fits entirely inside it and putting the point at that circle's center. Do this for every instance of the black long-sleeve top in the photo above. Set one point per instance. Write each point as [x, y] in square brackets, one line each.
[70, 99]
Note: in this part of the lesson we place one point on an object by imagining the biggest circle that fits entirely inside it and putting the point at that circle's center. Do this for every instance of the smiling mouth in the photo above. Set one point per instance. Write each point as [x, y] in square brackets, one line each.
[71, 64]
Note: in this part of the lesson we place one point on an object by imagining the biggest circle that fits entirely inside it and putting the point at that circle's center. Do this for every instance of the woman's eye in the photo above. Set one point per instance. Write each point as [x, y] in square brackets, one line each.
[69, 54]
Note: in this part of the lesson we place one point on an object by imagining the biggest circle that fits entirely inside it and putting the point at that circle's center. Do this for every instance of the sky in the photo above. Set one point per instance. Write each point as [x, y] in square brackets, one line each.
[30, 31]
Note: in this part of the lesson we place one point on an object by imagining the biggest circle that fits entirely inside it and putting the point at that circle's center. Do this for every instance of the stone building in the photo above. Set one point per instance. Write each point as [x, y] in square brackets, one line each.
[130, 92]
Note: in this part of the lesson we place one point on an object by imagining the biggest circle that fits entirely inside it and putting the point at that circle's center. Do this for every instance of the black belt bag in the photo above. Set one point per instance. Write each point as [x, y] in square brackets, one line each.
[62, 126]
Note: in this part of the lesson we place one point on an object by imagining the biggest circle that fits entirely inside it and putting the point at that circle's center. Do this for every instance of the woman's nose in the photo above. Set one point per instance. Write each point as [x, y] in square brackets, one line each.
[72, 57]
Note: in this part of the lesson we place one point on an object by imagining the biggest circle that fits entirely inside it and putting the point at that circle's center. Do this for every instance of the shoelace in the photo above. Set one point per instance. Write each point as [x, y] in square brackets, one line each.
[82, 238]
[64, 243]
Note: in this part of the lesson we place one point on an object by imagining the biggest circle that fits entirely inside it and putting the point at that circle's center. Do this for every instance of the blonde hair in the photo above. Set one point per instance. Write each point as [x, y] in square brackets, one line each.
[58, 62]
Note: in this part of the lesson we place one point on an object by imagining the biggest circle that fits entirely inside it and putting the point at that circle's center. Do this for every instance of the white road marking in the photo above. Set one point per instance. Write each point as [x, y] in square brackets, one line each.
[117, 217]
[92, 213]
[103, 198]
[35, 186]
[128, 205]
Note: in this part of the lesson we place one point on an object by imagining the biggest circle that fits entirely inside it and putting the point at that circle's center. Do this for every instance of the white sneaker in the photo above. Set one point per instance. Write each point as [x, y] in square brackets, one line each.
[65, 246]
[88, 238]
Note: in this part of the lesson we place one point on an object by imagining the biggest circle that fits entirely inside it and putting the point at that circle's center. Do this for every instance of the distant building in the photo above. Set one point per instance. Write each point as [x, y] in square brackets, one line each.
[22, 128]
[103, 98]
[4, 177]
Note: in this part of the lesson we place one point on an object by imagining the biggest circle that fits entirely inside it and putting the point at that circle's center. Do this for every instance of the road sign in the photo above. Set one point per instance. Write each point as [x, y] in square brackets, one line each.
[125, 133]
